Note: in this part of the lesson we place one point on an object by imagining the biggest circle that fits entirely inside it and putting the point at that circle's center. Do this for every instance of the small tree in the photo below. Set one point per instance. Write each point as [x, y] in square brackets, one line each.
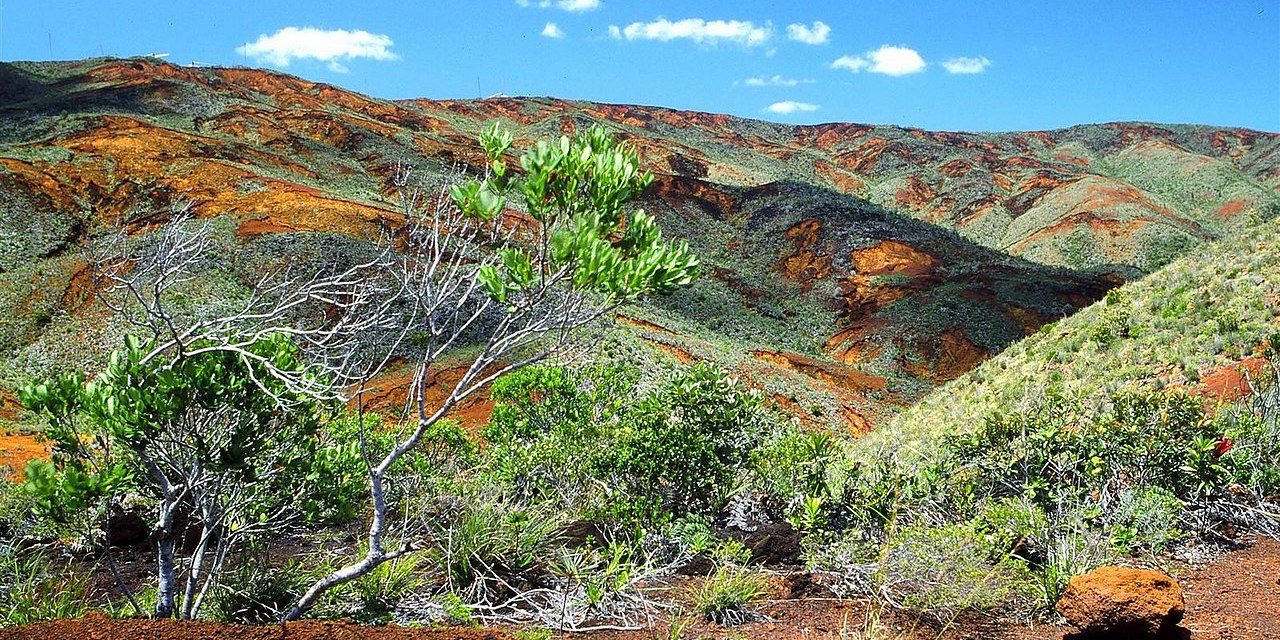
[512, 286]
[196, 434]
[214, 413]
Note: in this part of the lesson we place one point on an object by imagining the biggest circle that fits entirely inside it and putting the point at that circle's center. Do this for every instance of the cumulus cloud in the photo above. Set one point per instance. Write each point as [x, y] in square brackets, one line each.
[552, 31]
[745, 33]
[888, 59]
[564, 5]
[966, 65]
[851, 63]
[787, 107]
[817, 33]
[772, 81]
[330, 46]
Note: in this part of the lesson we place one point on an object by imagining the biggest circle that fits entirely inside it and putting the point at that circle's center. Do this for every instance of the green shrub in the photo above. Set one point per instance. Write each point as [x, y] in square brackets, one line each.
[591, 442]
[489, 540]
[681, 448]
[31, 590]
[942, 570]
[379, 591]
[725, 596]
[256, 593]
[793, 470]
[457, 612]
[1145, 518]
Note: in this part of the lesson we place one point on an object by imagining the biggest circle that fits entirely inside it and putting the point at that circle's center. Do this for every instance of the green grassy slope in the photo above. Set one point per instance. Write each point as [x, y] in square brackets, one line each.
[1200, 313]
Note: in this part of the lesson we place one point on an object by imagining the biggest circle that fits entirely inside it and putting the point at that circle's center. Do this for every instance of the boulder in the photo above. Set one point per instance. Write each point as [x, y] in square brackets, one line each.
[1119, 600]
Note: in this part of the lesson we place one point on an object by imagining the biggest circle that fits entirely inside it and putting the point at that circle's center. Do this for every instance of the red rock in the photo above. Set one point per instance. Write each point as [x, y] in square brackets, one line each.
[1119, 600]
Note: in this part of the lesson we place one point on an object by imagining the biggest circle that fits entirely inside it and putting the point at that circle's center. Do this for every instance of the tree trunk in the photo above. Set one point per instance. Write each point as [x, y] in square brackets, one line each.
[165, 587]
[376, 556]
[166, 541]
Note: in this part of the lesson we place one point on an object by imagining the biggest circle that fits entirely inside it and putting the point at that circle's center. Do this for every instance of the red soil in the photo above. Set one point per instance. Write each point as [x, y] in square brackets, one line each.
[15, 451]
[102, 628]
[387, 393]
[1232, 382]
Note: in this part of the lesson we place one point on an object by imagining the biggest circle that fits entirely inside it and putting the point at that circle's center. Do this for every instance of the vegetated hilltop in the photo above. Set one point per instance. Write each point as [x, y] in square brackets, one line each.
[851, 268]
[1200, 324]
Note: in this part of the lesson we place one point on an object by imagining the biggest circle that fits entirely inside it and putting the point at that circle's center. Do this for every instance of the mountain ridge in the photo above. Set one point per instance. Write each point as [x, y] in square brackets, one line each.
[850, 267]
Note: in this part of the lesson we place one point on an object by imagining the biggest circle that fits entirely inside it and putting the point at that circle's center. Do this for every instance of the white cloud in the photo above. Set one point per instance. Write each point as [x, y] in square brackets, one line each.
[966, 65]
[818, 33]
[330, 46]
[552, 31]
[888, 59]
[787, 107]
[698, 30]
[772, 81]
[564, 5]
[852, 63]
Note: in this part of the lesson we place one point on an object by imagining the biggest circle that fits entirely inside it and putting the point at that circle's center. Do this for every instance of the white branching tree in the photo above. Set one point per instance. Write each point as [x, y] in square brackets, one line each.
[511, 287]
[208, 409]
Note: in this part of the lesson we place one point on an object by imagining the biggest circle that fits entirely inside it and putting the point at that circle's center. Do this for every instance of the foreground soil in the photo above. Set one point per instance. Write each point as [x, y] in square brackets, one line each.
[1235, 597]
[102, 628]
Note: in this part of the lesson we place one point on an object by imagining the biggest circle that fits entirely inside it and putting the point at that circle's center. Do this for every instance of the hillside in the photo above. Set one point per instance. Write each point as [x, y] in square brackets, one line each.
[1198, 324]
[852, 268]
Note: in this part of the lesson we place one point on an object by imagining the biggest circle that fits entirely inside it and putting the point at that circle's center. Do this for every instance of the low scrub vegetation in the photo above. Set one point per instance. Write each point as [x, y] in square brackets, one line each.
[561, 516]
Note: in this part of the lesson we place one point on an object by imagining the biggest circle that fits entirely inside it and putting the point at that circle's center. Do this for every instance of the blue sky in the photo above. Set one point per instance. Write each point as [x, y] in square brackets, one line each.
[949, 64]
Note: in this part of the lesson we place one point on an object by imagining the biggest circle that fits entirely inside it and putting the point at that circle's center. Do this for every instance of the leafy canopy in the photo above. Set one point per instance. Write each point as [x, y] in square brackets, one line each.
[576, 189]
[215, 409]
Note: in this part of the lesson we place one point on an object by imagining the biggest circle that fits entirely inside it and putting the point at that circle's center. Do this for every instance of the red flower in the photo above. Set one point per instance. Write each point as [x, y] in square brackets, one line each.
[1223, 446]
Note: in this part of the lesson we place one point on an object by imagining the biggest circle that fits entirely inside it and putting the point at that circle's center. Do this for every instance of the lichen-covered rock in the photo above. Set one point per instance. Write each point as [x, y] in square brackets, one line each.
[1117, 600]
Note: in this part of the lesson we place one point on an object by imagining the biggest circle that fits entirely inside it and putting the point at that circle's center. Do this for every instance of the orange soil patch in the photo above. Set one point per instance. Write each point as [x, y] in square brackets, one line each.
[860, 297]
[916, 194]
[100, 627]
[957, 167]
[827, 136]
[679, 190]
[891, 257]
[1160, 149]
[1095, 202]
[20, 177]
[124, 159]
[865, 157]
[1235, 597]
[15, 451]
[952, 356]
[387, 394]
[829, 372]
[803, 266]
[839, 178]
[1231, 209]
[853, 343]
[1231, 383]
[644, 324]
[1063, 156]
[859, 424]
[678, 353]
